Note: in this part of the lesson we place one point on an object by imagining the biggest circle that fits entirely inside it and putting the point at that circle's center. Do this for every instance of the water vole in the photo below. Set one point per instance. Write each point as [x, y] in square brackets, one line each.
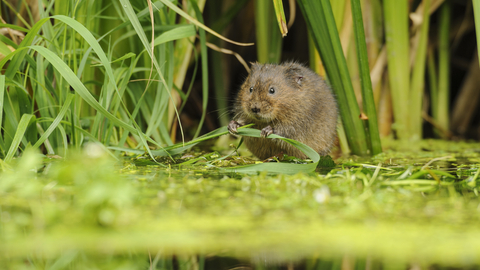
[289, 100]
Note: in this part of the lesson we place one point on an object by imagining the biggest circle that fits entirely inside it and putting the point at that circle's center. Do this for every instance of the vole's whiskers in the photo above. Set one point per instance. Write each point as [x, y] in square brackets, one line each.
[222, 114]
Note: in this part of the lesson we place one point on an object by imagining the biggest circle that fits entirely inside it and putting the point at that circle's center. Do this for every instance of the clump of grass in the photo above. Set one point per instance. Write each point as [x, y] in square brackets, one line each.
[74, 84]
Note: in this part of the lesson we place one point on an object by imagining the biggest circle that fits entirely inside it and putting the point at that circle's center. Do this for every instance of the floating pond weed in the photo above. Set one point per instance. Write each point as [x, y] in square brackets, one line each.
[366, 207]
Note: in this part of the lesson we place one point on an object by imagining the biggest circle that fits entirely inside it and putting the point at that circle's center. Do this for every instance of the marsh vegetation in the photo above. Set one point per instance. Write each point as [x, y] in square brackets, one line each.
[115, 152]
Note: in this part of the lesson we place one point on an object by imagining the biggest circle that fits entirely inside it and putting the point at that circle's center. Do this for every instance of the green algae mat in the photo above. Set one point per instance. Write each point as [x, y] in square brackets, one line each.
[411, 205]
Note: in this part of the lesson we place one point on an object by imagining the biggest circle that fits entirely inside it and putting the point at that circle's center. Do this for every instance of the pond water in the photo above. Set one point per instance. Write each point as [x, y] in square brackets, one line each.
[411, 206]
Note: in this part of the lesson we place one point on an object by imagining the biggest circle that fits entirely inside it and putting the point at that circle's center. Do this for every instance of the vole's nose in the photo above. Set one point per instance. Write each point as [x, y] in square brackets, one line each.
[255, 109]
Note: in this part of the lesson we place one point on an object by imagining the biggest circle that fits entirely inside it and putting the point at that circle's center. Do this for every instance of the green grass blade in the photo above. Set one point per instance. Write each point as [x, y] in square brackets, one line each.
[272, 167]
[367, 91]
[17, 60]
[18, 16]
[396, 30]
[128, 9]
[57, 120]
[90, 39]
[8, 42]
[286, 168]
[179, 147]
[179, 32]
[14, 27]
[47, 144]
[4, 49]
[476, 12]
[204, 59]
[418, 76]
[443, 107]
[433, 80]
[280, 15]
[338, 9]
[269, 40]
[322, 27]
[155, 6]
[261, 30]
[73, 80]
[96, 47]
[342, 138]
[2, 93]
[21, 129]
[106, 63]
[12, 117]
[314, 156]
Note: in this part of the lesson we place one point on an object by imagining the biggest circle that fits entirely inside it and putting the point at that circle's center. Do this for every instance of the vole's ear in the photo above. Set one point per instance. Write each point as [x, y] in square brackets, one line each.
[295, 75]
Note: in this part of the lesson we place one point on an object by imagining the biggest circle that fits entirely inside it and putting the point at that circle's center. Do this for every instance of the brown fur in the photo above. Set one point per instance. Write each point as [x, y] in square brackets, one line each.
[302, 108]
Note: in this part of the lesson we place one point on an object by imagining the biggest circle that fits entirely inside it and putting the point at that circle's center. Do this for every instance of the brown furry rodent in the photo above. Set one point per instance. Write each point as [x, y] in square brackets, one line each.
[289, 100]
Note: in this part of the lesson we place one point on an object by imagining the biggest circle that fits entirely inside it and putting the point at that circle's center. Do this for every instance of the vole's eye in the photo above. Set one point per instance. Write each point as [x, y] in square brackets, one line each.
[251, 89]
[271, 90]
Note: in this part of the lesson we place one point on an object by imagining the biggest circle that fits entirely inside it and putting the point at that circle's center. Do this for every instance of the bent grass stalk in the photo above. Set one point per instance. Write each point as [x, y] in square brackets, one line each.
[280, 15]
[270, 167]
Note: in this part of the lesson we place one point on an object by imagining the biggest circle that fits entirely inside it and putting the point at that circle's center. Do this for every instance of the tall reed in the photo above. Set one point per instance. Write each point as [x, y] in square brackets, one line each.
[268, 37]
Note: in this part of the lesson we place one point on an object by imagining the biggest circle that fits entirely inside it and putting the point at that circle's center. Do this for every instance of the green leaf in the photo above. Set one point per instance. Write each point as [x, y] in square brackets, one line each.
[73, 80]
[57, 120]
[4, 49]
[272, 167]
[22, 127]
[14, 27]
[143, 38]
[179, 147]
[18, 58]
[2, 94]
[179, 32]
[204, 59]
[367, 91]
[280, 14]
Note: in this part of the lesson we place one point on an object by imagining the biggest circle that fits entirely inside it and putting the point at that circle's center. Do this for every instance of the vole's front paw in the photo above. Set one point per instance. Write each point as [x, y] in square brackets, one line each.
[232, 127]
[266, 131]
